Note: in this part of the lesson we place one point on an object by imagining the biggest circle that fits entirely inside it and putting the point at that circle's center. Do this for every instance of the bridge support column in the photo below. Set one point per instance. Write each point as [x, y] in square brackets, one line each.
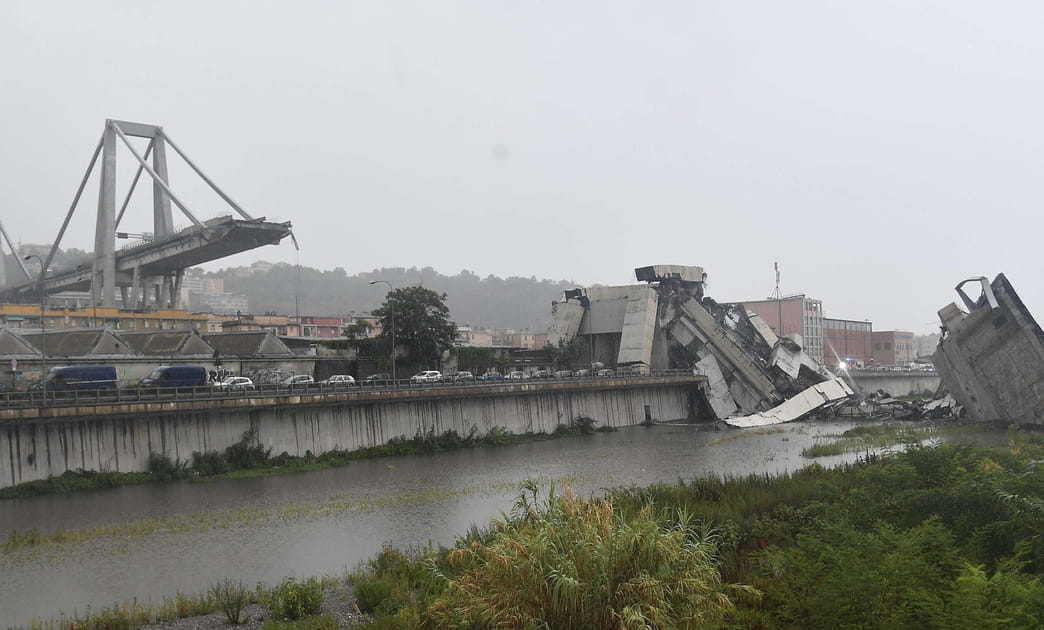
[175, 296]
[135, 289]
[104, 280]
[162, 219]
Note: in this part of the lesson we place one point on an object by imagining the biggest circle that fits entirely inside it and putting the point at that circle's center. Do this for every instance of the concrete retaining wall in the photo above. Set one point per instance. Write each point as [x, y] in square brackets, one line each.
[897, 383]
[121, 441]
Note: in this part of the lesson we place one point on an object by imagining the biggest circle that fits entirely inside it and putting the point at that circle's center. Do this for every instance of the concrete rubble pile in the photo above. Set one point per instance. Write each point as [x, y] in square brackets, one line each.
[754, 377]
[990, 358]
[882, 406]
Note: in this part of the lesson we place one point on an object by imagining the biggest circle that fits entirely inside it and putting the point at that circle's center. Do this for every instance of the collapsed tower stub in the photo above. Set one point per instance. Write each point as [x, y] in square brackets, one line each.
[991, 358]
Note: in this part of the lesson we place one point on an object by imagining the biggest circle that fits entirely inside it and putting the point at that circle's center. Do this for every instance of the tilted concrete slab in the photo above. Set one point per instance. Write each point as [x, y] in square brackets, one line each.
[639, 326]
[762, 328]
[717, 390]
[793, 408]
[565, 321]
[760, 387]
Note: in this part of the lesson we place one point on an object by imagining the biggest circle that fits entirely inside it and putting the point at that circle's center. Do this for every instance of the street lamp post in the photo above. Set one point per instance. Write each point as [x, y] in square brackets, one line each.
[391, 311]
[43, 327]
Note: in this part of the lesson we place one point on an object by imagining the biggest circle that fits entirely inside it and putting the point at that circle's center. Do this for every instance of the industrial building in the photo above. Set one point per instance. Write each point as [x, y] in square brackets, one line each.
[794, 314]
[894, 347]
[847, 341]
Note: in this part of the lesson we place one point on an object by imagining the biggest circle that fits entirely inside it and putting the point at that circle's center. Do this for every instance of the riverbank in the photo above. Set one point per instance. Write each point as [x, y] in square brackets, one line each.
[939, 537]
[249, 459]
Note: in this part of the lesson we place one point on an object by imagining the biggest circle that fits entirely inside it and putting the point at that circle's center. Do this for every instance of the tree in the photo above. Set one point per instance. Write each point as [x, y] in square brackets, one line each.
[567, 354]
[421, 320]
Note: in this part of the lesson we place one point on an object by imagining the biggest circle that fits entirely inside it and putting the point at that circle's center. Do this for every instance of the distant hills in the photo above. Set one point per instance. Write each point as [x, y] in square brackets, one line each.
[491, 301]
[513, 302]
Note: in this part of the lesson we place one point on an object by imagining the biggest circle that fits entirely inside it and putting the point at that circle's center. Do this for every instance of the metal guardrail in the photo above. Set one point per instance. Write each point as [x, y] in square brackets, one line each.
[77, 398]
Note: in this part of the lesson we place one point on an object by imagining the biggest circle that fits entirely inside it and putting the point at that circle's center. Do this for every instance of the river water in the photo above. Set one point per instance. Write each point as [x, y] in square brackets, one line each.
[153, 540]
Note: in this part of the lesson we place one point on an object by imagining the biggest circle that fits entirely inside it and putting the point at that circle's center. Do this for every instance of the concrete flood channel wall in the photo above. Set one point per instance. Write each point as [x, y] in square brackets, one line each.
[36, 444]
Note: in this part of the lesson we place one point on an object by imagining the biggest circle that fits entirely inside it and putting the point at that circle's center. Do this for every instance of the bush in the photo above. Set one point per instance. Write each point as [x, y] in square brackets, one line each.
[581, 564]
[209, 463]
[386, 583]
[231, 598]
[293, 599]
[245, 454]
[164, 468]
[371, 592]
[580, 425]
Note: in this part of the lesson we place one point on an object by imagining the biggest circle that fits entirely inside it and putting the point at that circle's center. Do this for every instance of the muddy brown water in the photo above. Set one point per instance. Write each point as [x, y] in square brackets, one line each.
[154, 540]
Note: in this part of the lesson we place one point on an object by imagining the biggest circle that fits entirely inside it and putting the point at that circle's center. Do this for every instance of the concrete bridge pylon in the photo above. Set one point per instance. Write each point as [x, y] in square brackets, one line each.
[148, 275]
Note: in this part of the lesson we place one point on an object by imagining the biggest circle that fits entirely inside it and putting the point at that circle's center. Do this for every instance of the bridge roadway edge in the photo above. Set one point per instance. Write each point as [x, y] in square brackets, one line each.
[120, 437]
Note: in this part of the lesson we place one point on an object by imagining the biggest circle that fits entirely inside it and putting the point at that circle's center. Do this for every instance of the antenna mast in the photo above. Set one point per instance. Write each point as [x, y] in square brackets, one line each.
[779, 302]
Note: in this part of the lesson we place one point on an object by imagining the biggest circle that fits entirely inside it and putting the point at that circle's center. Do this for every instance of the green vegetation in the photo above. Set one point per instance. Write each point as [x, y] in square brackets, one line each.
[292, 599]
[570, 354]
[319, 622]
[475, 359]
[943, 537]
[231, 598]
[421, 323]
[131, 615]
[870, 437]
[73, 481]
[571, 563]
[513, 302]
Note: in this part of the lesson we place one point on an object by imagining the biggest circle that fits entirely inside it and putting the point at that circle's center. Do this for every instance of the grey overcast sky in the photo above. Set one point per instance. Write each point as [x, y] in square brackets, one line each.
[880, 151]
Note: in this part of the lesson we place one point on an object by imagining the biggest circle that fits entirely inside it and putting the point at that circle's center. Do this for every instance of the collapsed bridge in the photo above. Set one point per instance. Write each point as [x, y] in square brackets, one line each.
[754, 377]
[148, 273]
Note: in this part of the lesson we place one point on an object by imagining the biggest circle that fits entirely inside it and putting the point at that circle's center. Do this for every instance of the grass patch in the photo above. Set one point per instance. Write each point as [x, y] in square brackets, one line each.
[870, 437]
[131, 615]
[75, 481]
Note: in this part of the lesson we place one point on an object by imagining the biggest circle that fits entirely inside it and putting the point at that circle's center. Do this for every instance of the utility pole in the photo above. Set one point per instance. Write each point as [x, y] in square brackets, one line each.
[391, 311]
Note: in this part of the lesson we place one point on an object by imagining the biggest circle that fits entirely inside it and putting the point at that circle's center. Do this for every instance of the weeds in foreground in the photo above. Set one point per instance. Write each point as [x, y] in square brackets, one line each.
[318, 622]
[292, 599]
[231, 597]
[130, 615]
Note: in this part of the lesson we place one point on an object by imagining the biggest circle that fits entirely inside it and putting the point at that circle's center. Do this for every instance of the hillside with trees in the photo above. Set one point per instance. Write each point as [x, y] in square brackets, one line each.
[284, 288]
[491, 301]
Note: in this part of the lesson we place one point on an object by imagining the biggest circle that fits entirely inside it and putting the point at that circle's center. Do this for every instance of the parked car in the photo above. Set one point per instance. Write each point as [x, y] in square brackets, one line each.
[605, 373]
[582, 373]
[492, 376]
[562, 374]
[375, 379]
[427, 376]
[517, 375]
[344, 380]
[235, 383]
[176, 376]
[541, 374]
[297, 380]
[464, 377]
[82, 377]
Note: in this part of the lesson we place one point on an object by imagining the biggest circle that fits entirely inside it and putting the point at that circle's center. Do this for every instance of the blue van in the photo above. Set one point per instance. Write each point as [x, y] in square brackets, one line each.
[82, 377]
[176, 376]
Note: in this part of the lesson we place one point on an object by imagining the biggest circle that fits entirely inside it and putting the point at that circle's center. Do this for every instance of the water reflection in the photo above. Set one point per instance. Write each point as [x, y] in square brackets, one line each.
[322, 522]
